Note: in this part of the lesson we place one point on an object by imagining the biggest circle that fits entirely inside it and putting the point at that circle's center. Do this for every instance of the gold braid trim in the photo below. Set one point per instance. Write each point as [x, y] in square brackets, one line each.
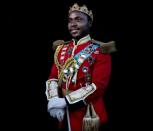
[59, 67]
[69, 63]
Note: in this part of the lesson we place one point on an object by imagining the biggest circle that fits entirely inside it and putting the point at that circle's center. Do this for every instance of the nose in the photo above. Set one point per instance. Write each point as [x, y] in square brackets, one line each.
[73, 24]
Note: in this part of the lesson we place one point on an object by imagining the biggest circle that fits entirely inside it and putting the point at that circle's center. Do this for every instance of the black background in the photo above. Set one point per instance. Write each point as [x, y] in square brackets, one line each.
[31, 29]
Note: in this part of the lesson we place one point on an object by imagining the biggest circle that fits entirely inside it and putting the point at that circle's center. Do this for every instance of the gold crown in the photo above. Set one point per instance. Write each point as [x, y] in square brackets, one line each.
[83, 9]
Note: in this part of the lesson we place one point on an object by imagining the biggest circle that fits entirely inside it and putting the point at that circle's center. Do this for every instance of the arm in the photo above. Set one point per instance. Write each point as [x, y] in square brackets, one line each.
[100, 75]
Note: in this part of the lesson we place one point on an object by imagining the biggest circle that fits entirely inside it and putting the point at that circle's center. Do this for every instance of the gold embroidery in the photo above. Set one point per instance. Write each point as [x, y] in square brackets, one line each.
[51, 89]
[81, 93]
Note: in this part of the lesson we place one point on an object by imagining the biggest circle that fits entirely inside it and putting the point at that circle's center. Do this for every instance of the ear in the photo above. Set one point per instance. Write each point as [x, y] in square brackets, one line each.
[90, 24]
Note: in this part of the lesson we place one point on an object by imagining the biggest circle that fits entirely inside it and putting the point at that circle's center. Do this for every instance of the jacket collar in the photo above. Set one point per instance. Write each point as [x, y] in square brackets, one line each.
[82, 40]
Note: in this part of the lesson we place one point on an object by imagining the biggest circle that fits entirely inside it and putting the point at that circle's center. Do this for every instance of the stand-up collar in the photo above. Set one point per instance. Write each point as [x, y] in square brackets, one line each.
[82, 40]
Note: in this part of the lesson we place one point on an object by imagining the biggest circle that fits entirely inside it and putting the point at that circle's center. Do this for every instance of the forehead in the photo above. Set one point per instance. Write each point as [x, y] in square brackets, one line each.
[75, 14]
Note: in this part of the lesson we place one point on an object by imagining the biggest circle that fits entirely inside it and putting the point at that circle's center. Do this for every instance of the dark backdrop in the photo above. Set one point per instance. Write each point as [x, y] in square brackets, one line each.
[31, 29]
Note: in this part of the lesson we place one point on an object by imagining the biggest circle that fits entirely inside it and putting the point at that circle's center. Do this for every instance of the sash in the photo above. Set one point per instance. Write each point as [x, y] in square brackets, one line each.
[81, 56]
[71, 66]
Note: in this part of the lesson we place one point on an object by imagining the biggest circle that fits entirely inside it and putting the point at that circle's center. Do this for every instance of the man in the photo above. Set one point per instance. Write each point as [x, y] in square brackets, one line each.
[79, 75]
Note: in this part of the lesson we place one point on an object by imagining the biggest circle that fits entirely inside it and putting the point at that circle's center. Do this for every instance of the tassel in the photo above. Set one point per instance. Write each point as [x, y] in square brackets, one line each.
[95, 124]
[87, 120]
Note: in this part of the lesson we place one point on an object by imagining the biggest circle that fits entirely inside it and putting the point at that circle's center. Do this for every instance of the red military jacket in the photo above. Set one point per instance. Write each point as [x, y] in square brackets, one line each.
[95, 69]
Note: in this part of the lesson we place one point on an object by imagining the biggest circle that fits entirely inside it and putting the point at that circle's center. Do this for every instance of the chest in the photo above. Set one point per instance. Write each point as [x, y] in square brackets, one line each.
[81, 54]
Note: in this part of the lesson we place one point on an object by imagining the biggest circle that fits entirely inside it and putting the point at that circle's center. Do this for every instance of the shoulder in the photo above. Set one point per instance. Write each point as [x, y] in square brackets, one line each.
[59, 43]
[105, 47]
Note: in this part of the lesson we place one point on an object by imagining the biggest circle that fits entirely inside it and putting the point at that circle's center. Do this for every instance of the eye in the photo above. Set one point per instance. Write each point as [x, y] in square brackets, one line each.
[69, 20]
[78, 19]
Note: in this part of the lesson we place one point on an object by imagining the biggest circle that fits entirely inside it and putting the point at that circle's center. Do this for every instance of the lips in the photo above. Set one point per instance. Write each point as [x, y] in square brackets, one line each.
[74, 31]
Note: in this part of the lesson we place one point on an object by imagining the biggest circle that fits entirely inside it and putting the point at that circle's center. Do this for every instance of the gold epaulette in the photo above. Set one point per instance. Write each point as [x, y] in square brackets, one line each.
[57, 43]
[108, 47]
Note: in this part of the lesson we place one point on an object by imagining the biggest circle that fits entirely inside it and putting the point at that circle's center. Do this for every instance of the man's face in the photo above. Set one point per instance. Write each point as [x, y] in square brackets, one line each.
[78, 24]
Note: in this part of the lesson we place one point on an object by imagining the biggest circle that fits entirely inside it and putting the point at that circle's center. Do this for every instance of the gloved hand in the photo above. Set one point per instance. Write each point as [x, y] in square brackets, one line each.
[57, 113]
[53, 112]
[56, 102]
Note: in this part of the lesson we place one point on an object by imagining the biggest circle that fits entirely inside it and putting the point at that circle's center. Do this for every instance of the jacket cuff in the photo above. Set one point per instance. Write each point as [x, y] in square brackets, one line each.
[80, 94]
[51, 88]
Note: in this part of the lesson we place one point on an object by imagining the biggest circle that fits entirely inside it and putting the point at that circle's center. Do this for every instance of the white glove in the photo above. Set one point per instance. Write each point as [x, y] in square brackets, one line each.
[56, 102]
[57, 113]
[53, 112]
